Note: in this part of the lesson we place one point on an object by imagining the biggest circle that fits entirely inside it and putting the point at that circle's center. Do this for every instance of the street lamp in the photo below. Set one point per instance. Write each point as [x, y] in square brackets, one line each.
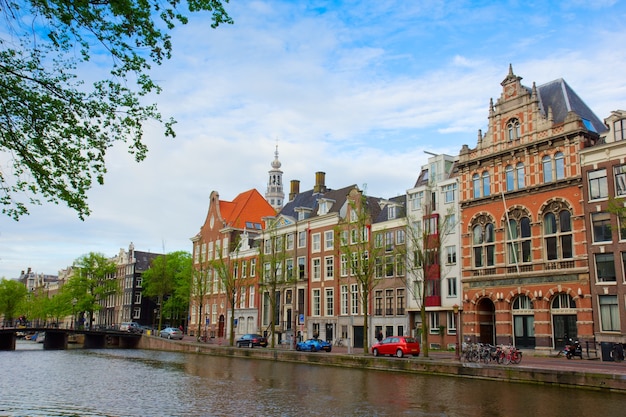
[74, 301]
[457, 354]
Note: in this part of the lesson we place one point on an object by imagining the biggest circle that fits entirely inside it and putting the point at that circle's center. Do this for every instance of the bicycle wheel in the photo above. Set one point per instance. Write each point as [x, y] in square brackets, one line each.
[516, 357]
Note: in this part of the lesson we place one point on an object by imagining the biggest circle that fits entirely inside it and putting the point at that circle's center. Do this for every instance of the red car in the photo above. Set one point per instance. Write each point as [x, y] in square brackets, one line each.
[397, 345]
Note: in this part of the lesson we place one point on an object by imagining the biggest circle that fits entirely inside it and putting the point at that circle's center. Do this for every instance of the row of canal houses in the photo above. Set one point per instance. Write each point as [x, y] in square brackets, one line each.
[526, 249]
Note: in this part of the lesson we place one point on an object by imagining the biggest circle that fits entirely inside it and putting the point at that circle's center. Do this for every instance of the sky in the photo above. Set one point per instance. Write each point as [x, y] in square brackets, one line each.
[356, 89]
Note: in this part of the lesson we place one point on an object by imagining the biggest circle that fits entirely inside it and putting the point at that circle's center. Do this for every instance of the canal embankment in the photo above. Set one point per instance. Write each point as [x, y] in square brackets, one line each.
[540, 372]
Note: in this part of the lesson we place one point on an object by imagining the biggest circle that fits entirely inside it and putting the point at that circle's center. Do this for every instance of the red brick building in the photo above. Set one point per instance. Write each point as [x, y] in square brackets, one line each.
[525, 270]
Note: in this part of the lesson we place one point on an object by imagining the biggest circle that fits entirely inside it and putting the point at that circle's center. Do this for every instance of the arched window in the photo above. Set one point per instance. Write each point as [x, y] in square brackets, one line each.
[547, 169]
[476, 185]
[513, 128]
[522, 303]
[521, 182]
[486, 184]
[510, 178]
[557, 233]
[518, 236]
[563, 302]
[483, 243]
[559, 164]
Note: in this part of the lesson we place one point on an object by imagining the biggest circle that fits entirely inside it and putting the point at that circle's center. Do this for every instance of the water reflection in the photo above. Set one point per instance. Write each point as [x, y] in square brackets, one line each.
[147, 383]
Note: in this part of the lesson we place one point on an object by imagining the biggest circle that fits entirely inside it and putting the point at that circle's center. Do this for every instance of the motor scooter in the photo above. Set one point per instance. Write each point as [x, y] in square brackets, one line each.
[573, 348]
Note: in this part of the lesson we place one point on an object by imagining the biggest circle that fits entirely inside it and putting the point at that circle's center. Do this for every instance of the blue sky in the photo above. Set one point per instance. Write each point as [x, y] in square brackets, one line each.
[357, 89]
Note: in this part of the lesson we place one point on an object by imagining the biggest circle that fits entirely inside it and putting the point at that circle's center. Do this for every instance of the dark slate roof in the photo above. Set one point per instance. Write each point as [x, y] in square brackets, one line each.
[560, 97]
[308, 199]
[144, 259]
[383, 214]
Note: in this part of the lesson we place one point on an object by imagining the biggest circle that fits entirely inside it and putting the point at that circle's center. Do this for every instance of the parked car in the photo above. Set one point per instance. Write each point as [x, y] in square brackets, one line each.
[131, 327]
[171, 333]
[314, 345]
[251, 340]
[397, 345]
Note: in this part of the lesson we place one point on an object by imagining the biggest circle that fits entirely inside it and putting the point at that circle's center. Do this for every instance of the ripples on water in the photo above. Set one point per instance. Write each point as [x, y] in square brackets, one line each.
[113, 382]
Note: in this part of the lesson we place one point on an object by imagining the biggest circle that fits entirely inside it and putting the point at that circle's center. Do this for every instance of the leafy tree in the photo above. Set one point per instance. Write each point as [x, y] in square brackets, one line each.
[167, 281]
[12, 294]
[93, 281]
[362, 254]
[200, 287]
[54, 127]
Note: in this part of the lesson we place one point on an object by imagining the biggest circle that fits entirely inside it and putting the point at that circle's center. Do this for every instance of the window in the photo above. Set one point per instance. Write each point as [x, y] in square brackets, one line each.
[137, 299]
[486, 184]
[330, 306]
[416, 200]
[267, 247]
[317, 269]
[316, 244]
[514, 177]
[510, 178]
[316, 302]
[301, 267]
[400, 265]
[252, 267]
[289, 269]
[609, 313]
[388, 241]
[521, 181]
[624, 266]
[605, 267]
[302, 239]
[559, 164]
[329, 239]
[330, 267]
[598, 187]
[619, 127]
[601, 224]
[620, 180]
[400, 237]
[344, 300]
[378, 267]
[289, 241]
[513, 129]
[400, 301]
[449, 192]
[391, 212]
[483, 244]
[343, 267]
[451, 286]
[451, 317]
[450, 255]
[244, 269]
[546, 161]
[476, 185]
[557, 231]
[522, 303]
[621, 220]
[433, 319]
[389, 262]
[378, 303]
[136, 313]
[389, 302]
[563, 302]
[354, 295]
[518, 238]
[251, 296]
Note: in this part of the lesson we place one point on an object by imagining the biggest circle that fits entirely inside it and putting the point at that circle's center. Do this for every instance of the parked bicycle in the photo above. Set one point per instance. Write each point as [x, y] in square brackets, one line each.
[617, 352]
[338, 342]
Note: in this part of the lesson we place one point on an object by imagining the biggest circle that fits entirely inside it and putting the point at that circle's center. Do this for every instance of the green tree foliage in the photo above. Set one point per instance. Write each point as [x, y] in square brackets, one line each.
[55, 127]
[12, 295]
[93, 281]
[168, 281]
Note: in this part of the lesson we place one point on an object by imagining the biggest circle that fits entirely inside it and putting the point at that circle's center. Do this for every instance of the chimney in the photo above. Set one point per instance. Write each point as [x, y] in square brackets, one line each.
[295, 189]
[320, 185]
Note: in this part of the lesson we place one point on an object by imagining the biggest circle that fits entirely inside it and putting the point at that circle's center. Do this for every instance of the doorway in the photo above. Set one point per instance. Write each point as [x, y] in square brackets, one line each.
[486, 321]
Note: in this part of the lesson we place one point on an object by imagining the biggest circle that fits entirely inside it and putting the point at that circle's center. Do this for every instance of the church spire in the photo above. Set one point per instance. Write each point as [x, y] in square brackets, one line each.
[275, 194]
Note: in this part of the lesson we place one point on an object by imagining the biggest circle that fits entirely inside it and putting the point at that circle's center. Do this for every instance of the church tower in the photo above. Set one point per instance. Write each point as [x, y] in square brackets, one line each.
[275, 194]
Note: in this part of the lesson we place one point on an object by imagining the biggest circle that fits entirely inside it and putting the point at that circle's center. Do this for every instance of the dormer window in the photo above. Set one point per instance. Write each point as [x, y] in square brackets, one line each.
[513, 129]
[620, 130]
[324, 206]
[391, 212]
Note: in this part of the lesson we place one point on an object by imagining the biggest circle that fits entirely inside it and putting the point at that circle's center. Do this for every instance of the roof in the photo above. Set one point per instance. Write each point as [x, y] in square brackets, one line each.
[559, 96]
[246, 210]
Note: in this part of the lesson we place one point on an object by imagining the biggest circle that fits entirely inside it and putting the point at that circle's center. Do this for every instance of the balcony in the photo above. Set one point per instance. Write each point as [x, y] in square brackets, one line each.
[433, 301]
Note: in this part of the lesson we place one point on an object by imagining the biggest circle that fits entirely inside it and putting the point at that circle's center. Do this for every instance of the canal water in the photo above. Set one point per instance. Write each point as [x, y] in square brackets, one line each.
[114, 382]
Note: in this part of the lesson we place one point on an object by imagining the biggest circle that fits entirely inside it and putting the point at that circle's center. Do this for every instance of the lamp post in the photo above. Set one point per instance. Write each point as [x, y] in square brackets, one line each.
[74, 301]
[457, 354]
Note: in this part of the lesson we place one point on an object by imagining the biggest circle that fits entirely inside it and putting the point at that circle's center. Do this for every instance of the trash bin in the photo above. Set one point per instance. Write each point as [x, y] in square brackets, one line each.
[606, 348]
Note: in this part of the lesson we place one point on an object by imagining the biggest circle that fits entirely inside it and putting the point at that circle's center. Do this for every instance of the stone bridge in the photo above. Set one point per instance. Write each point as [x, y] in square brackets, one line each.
[57, 339]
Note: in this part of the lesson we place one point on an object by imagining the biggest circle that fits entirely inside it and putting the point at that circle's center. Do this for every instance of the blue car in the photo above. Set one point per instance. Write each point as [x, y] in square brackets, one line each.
[314, 345]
